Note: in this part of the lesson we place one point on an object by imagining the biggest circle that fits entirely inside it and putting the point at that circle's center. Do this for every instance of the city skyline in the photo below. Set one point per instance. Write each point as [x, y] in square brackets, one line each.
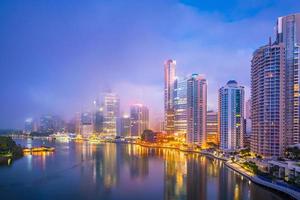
[56, 80]
[174, 99]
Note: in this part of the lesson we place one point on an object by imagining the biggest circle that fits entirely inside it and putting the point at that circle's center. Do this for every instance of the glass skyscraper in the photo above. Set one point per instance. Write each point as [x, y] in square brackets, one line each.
[231, 108]
[111, 111]
[139, 116]
[180, 103]
[170, 67]
[288, 34]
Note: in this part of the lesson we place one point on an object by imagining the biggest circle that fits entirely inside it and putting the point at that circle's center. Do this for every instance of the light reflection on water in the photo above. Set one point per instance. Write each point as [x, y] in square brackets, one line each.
[121, 171]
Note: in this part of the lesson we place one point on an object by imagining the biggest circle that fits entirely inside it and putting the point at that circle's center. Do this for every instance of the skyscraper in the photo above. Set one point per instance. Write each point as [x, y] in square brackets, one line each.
[99, 120]
[124, 126]
[248, 116]
[77, 122]
[139, 116]
[212, 127]
[288, 34]
[268, 101]
[196, 110]
[29, 126]
[111, 111]
[231, 108]
[86, 125]
[170, 67]
[47, 124]
[180, 103]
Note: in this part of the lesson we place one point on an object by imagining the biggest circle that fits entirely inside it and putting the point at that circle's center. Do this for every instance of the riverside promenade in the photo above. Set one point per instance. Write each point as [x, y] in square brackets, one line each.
[254, 178]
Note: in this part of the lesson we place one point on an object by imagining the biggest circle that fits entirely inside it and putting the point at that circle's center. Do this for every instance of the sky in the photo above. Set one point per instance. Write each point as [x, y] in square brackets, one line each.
[56, 57]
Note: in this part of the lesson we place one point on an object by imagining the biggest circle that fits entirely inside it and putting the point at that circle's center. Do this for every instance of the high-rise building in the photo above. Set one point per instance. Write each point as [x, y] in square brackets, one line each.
[77, 122]
[124, 126]
[180, 103]
[231, 118]
[71, 126]
[58, 124]
[212, 127]
[268, 101]
[46, 124]
[288, 34]
[139, 116]
[86, 125]
[111, 111]
[170, 67]
[196, 110]
[30, 126]
[248, 116]
[99, 120]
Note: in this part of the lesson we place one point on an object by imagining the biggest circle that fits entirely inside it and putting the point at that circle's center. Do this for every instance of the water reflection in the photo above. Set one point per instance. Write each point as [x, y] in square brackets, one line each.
[121, 171]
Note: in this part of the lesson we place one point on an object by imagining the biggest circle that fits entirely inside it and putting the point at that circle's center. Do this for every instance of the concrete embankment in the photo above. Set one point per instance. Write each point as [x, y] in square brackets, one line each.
[294, 194]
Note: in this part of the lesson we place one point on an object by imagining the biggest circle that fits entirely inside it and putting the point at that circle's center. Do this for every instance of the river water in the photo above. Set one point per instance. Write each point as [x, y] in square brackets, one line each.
[122, 171]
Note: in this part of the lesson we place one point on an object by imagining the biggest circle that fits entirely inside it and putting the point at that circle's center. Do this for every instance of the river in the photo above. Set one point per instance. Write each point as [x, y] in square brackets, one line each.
[122, 171]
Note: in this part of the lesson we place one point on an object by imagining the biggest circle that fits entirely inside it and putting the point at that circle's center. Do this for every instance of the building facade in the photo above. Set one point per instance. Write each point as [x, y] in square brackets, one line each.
[196, 110]
[86, 125]
[212, 127]
[180, 103]
[124, 126]
[268, 100]
[288, 34]
[169, 69]
[99, 120]
[231, 117]
[139, 116]
[111, 111]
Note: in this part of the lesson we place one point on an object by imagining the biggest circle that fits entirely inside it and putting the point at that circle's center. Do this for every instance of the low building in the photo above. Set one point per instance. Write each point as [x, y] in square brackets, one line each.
[287, 170]
[149, 136]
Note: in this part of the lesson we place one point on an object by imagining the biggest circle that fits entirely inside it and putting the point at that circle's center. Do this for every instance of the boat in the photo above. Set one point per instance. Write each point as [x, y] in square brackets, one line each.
[39, 149]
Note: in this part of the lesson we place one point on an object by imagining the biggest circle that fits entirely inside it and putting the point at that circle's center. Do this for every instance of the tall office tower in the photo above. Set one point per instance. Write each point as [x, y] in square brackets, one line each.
[86, 125]
[111, 111]
[46, 124]
[71, 126]
[58, 124]
[212, 127]
[170, 67]
[29, 125]
[288, 34]
[139, 116]
[196, 110]
[231, 108]
[124, 126]
[267, 90]
[180, 96]
[77, 122]
[99, 120]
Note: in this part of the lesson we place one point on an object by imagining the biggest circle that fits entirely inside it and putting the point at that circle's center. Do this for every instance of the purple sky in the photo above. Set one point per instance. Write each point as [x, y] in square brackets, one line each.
[57, 56]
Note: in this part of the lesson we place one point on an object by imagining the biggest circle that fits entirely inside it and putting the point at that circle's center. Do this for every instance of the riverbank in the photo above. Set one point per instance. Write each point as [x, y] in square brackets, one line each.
[254, 178]
[9, 150]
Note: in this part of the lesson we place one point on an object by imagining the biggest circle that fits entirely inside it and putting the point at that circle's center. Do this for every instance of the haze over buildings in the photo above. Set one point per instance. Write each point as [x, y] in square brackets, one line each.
[57, 57]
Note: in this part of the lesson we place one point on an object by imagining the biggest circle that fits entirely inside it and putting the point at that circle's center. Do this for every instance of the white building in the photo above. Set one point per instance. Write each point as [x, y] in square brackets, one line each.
[231, 118]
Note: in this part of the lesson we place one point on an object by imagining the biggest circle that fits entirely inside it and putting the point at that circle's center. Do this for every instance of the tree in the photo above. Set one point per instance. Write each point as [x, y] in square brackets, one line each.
[292, 153]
